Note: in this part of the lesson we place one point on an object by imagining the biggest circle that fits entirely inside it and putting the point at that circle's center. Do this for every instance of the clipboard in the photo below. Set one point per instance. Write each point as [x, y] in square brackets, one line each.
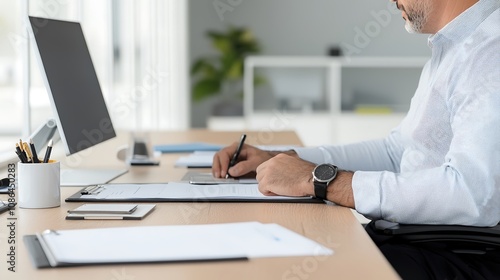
[40, 259]
[167, 244]
[180, 192]
[51, 248]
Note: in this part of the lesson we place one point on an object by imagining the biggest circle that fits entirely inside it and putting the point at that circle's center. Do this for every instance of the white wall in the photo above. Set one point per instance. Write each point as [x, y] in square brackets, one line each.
[300, 27]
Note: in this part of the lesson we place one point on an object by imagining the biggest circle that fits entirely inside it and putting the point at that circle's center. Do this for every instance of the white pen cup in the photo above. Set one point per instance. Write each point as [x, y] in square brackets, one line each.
[38, 184]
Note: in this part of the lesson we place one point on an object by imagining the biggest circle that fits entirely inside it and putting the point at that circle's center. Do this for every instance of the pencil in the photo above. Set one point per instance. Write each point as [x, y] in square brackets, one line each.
[27, 150]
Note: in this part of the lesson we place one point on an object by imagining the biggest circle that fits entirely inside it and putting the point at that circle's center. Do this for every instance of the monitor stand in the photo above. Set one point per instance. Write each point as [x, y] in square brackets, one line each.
[45, 133]
[86, 177]
[72, 177]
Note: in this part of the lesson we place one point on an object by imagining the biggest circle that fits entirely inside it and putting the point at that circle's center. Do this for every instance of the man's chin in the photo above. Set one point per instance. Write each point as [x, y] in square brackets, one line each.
[410, 29]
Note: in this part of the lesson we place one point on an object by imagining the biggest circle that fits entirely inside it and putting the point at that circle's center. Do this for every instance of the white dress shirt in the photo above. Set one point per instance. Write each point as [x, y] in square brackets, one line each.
[441, 165]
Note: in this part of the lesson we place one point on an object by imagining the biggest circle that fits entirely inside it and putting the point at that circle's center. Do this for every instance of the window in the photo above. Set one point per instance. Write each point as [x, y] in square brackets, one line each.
[139, 51]
[11, 98]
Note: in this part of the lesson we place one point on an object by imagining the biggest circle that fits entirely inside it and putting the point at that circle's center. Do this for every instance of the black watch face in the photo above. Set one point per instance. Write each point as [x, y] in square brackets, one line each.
[325, 172]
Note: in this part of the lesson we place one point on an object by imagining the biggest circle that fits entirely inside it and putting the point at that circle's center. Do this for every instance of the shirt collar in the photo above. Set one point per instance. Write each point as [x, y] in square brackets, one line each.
[465, 23]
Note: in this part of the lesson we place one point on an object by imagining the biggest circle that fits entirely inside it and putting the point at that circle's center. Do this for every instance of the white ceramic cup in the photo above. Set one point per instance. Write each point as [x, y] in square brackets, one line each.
[38, 185]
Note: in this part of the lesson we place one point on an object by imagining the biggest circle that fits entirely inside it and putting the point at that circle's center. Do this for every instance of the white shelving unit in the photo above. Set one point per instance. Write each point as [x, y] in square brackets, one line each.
[335, 123]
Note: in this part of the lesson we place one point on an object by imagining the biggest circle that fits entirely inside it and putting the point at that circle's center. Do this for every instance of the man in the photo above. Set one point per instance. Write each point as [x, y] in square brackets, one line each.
[441, 165]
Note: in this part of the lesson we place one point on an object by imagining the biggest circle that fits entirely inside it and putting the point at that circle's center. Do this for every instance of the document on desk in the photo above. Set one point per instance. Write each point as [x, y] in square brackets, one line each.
[187, 147]
[180, 192]
[198, 159]
[204, 178]
[233, 241]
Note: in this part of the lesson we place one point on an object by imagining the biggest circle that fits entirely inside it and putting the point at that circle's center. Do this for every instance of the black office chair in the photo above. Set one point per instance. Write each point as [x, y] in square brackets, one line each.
[459, 239]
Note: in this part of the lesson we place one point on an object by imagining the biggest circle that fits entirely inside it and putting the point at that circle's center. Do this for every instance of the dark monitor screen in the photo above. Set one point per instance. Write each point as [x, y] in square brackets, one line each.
[82, 116]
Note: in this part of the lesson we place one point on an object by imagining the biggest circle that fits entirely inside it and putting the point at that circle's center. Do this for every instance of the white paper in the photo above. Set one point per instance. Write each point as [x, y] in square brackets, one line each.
[173, 243]
[196, 159]
[208, 179]
[183, 190]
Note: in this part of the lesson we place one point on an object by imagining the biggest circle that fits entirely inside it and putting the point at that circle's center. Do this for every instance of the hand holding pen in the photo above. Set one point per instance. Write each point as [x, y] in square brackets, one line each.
[236, 154]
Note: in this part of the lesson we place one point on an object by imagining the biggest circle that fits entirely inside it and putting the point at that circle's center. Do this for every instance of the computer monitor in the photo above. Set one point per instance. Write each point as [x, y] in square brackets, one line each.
[80, 111]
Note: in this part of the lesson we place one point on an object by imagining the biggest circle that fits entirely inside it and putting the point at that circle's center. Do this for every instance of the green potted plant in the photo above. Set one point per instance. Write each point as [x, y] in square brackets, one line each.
[222, 74]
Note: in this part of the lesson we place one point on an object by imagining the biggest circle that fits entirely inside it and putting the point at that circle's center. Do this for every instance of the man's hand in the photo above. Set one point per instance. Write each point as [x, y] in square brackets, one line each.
[286, 175]
[250, 157]
[290, 176]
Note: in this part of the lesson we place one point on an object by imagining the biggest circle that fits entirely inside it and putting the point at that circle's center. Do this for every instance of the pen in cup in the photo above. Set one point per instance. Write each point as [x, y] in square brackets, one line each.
[33, 152]
[20, 154]
[47, 153]
[236, 154]
[27, 150]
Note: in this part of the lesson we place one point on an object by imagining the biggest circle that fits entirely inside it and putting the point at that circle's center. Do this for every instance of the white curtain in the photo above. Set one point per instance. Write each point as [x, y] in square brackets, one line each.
[139, 51]
[150, 89]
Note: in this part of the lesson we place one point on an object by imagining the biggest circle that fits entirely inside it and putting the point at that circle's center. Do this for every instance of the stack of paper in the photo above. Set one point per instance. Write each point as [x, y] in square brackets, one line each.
[169, 243]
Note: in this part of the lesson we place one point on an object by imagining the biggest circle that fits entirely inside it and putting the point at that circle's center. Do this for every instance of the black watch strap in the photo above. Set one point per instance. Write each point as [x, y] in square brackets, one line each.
[320, 190]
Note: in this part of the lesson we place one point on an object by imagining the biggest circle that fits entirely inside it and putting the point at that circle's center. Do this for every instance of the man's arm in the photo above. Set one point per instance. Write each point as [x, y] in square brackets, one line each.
[290, 176]
[374, 155]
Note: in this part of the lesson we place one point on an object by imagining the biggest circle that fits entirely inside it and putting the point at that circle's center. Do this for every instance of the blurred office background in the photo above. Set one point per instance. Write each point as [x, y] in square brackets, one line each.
[139, 50]
[143, 52]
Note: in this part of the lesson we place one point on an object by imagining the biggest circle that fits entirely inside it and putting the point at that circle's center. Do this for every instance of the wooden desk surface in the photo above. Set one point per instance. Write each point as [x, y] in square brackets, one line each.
[355, 257]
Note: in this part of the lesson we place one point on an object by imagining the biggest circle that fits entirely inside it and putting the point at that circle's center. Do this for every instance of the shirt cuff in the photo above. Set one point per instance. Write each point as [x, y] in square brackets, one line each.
[367, 193]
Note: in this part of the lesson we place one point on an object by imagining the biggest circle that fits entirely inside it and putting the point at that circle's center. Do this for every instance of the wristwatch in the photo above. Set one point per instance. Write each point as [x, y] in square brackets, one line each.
[323, 174]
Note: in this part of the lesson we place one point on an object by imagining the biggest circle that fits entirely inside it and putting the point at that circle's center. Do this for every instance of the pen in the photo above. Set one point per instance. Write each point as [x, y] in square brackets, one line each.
[33, 152]
[47, 153]
[236, 154]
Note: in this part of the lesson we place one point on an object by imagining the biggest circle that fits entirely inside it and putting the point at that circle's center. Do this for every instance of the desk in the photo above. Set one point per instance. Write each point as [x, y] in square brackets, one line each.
[355, 257]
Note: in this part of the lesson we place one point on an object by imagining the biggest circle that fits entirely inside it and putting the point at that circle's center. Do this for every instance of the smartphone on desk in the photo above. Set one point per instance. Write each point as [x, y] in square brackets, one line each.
[104, 209]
